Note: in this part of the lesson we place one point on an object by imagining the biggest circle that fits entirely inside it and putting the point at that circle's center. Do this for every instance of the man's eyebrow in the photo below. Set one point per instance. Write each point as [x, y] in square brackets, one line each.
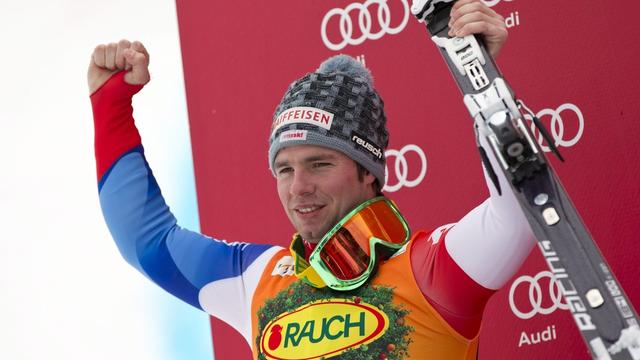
[279, 164]
[320, 157]
[312, 158]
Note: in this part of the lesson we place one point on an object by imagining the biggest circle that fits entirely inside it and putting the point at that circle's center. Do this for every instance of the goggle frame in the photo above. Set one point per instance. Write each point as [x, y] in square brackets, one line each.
[387, 247]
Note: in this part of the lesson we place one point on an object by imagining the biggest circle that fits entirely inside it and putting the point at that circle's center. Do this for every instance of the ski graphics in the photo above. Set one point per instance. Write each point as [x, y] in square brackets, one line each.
[602, 312]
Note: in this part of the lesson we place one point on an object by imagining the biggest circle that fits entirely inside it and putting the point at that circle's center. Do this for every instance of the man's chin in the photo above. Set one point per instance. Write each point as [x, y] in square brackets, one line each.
[312, 236]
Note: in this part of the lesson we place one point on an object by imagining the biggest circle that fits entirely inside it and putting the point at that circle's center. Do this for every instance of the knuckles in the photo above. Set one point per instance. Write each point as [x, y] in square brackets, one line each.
[111, 55]
[108, 58]
[124, 43]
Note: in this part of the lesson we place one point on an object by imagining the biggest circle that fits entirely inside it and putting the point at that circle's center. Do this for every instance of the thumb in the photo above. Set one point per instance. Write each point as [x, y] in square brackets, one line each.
[139, 65]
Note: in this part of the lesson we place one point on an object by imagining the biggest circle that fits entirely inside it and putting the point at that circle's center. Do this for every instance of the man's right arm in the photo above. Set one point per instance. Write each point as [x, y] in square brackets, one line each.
[212, 275]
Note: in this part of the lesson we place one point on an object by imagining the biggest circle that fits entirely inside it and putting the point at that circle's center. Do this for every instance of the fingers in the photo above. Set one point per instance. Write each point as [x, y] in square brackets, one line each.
[482, 28]
[477, 23]
[138, 58]
[469, 12]
[137, 46]
[136, 55]
[113, 56]
[475, 17]
[464, 3]
[98, 56]
[119, 57]
[134, 58]
[110, 57]
[461, 3]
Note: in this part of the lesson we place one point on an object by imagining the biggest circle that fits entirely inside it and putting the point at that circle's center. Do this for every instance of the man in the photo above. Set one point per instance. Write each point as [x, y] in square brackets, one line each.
[356, 284]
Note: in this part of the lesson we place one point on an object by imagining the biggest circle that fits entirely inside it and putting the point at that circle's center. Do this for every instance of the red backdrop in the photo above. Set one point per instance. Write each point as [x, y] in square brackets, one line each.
[573, 63]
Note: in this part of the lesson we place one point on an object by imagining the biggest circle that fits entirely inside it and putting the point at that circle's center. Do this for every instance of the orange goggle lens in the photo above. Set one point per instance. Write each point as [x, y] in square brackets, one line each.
[347, 253]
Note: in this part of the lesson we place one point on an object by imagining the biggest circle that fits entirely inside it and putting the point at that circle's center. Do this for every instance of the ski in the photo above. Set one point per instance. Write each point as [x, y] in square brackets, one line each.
[602, 311]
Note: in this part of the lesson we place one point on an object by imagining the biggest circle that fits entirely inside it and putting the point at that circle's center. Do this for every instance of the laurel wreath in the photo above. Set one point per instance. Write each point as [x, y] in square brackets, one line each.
[393, 344]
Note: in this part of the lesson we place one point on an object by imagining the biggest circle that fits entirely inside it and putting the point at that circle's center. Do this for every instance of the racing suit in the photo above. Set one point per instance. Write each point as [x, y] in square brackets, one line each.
[432, 313]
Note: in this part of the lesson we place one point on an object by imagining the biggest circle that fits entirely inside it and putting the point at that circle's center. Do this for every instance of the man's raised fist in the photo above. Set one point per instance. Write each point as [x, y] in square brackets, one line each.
[108, 59]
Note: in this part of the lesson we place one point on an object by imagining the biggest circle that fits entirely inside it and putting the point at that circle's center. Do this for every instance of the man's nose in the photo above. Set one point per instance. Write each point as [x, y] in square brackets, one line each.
[302, 183]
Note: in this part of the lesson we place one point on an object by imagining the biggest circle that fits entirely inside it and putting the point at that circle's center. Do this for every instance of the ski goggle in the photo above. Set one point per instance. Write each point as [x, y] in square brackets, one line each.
[347, 255]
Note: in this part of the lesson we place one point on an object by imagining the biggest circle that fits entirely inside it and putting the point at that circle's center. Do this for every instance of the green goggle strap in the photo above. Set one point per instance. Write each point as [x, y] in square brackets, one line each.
[303, 270]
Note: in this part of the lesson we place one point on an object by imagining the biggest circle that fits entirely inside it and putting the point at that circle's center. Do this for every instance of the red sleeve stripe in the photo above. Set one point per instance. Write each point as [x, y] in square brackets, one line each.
[115, 131]
[457, 298]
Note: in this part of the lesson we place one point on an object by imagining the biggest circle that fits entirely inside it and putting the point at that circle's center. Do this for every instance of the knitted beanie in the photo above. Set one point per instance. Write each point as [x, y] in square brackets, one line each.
[335, 107]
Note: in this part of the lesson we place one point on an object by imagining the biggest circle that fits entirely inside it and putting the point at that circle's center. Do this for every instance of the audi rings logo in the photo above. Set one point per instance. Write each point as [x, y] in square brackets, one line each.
[403, 176]
[539, 301]
[560, 125]
[367, 30]
[492, 3]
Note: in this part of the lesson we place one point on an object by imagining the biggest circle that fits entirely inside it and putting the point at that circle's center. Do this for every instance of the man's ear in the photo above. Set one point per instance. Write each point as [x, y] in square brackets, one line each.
[368, 177]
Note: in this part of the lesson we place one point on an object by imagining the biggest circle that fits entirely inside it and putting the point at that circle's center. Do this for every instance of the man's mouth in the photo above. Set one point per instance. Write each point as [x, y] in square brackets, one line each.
[308, 209]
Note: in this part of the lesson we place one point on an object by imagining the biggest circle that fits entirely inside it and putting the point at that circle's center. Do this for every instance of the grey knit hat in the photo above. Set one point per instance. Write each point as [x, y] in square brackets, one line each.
[335, 107]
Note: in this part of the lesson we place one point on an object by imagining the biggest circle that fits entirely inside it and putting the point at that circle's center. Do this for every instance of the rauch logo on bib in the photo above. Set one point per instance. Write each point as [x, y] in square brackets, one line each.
[322, 329]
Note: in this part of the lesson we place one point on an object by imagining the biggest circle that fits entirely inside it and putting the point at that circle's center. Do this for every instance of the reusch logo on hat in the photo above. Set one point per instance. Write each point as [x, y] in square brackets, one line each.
[304, 115]
[366, 144]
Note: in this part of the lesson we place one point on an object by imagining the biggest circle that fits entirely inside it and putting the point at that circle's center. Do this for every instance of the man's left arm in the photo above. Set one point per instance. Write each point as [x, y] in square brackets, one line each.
[458, 267]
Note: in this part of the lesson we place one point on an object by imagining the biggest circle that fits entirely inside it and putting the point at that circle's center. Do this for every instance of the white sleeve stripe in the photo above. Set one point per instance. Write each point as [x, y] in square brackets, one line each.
[493, 240]
[490, 249]
[230, 299]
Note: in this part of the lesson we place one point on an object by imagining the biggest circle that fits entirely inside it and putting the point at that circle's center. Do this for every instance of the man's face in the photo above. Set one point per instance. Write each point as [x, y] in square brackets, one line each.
[318, 187]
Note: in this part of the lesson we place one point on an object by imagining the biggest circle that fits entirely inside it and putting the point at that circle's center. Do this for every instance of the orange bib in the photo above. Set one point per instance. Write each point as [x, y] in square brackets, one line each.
[388, 318]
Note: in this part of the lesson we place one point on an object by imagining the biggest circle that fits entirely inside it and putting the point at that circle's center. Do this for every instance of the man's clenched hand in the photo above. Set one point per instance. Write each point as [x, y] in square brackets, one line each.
[108, 59]
[474, 17]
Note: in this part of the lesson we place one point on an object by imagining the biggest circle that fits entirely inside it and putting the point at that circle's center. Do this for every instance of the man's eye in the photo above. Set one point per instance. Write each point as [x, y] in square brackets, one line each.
[321, 164]
[284, 170]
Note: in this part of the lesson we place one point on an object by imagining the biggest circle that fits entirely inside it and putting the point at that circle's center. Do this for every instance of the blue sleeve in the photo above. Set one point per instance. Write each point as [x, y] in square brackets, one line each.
[148, 237]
